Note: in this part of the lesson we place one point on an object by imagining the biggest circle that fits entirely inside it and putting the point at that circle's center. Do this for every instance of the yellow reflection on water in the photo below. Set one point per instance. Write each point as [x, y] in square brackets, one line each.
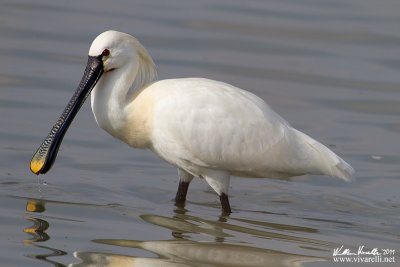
[37, 231]
[35, 205]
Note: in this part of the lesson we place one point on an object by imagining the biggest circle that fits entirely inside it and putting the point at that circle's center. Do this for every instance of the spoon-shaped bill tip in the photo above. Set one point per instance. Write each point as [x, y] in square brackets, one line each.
[36, 165]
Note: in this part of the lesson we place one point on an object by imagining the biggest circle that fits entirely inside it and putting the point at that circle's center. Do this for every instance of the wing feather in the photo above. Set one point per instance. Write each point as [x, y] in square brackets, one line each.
[214, 125]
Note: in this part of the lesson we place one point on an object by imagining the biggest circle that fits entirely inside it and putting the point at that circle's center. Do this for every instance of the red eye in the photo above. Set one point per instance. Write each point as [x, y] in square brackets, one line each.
[105, 53]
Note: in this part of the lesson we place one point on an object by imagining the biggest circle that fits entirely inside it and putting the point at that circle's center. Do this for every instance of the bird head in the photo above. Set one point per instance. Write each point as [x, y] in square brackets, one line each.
[110, 51]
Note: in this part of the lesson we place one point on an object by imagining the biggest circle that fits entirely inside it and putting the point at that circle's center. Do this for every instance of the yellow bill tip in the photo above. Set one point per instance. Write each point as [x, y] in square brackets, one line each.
[36, 166]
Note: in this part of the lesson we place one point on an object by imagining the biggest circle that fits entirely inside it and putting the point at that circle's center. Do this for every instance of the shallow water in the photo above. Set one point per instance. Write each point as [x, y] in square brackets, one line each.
[331, 68]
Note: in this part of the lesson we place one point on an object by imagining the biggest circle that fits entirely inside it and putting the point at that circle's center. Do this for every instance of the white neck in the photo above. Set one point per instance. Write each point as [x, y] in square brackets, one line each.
[115, 90]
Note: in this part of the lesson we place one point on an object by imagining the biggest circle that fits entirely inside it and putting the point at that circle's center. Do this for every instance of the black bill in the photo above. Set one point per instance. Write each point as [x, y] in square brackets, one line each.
[47, 152]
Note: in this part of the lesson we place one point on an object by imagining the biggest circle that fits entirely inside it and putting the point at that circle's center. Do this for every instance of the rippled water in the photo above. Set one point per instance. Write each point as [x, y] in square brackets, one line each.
[331, 68]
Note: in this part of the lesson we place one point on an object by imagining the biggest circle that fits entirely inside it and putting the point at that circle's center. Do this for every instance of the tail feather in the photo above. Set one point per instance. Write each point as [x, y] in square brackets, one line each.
[326, 161]
[333, 164]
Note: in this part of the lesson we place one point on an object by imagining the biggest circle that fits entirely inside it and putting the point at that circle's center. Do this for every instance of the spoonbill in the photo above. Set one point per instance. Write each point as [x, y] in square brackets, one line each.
[205, 128]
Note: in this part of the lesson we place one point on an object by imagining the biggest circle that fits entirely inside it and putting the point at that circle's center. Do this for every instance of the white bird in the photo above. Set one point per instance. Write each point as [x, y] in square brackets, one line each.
[205, 128]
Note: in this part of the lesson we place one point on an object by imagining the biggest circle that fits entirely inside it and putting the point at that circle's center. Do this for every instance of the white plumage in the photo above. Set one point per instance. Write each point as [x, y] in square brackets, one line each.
[201, 124]
[205, 128]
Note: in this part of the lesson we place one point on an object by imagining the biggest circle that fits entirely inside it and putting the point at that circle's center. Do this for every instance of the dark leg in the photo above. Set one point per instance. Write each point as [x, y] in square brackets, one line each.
[226, 208]
[182, 191]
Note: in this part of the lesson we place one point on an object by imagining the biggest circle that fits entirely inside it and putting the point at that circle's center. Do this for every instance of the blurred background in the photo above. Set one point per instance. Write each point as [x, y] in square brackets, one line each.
[331, 68]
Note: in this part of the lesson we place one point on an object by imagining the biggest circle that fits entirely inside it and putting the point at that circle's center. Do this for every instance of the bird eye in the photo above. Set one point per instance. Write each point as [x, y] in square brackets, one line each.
[105, 53]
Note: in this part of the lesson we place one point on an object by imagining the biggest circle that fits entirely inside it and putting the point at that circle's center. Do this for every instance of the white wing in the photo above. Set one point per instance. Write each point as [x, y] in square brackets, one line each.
[214, 124]
[200, 123]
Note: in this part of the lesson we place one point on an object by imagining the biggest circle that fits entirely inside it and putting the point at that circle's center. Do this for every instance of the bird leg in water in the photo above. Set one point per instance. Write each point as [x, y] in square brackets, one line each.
[182, 191]
[226, 207]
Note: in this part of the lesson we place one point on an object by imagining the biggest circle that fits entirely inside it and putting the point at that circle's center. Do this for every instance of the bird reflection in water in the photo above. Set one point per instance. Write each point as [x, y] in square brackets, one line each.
[186, 253]
[38, 233]
[181, 224]
[183, 252]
